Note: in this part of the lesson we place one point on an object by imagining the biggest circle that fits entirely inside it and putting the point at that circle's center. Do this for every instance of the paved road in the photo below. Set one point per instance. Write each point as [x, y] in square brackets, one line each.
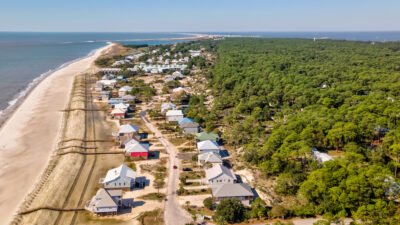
[173, 213]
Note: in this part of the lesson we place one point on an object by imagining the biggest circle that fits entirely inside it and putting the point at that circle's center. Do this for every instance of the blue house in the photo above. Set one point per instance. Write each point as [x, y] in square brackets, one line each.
[185, 120]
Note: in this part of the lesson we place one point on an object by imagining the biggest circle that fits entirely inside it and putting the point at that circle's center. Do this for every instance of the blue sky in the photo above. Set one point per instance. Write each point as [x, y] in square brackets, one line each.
[199, 15]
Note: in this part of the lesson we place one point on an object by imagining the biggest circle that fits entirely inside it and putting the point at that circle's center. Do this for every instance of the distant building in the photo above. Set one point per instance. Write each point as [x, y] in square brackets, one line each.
[239, 191]
[124, 90]
[129, 98]
[109, 70]
[105, 202]
[320, 156]
[121, 106]
[174, 115]
[166, 106]
[109, 83]
[195, 53]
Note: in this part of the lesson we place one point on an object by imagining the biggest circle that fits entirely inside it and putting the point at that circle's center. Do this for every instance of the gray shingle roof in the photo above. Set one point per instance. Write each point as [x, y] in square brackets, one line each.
[217, 170]
[232, 190]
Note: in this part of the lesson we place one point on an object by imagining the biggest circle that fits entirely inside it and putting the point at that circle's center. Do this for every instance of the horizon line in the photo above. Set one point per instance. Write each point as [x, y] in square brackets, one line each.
[199, 32]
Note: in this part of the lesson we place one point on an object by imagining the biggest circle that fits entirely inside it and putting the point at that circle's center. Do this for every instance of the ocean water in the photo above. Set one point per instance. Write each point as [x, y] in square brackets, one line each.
[27, 58]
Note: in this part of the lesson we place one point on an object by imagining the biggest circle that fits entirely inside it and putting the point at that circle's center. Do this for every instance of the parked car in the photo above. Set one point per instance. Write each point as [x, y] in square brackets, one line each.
[186, 169]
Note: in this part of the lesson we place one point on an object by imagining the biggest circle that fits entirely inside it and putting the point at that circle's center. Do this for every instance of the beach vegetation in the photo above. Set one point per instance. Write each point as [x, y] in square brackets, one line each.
[279, 98]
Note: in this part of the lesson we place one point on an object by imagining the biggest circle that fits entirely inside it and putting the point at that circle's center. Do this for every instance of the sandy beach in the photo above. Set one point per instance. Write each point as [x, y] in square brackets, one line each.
[29, 137]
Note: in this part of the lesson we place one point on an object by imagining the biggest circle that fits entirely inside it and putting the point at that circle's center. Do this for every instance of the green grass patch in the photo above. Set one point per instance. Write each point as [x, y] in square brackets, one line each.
[153, 196]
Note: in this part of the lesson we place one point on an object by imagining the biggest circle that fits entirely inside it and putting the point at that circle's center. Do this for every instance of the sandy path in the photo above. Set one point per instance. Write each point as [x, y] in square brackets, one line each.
[173, 213]
[29, 137]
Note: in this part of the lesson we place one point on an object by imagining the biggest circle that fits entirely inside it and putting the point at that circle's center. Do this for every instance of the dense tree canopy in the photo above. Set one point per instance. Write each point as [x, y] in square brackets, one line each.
[279, 98]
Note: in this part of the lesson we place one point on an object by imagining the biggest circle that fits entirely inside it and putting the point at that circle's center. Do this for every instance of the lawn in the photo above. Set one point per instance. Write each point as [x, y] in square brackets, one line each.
[153, 196]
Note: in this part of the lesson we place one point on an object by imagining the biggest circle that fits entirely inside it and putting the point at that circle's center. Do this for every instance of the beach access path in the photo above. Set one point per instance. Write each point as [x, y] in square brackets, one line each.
[173, 212]
[29, 137]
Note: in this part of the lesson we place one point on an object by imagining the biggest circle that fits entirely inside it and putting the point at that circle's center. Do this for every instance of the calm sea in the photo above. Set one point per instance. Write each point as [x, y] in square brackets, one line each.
[27, 58]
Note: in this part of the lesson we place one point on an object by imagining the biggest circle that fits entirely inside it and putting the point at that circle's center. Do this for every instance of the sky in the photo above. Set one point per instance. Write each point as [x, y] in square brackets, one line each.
[199, 15]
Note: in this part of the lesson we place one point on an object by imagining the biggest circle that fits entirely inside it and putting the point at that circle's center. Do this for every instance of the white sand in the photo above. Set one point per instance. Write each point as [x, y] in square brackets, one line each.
[30, 135]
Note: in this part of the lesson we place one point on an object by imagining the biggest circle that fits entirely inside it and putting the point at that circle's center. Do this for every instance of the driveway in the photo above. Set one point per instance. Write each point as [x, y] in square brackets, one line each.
[173, 213]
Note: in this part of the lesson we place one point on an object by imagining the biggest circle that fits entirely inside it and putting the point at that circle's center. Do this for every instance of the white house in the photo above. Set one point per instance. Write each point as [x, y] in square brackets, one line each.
[166, 106]
[126, 133]
[208, 146]
[195, 53]
[320, 156]
[219, 174]
[179, 89]
[105, 202]
[174, 115]
[124, 90]
[122, 178]
[121, 106]
[209, 157]
[108, 83]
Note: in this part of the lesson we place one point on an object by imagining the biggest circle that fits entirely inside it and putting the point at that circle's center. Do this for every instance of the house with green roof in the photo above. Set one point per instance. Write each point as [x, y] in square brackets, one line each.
[204, 136]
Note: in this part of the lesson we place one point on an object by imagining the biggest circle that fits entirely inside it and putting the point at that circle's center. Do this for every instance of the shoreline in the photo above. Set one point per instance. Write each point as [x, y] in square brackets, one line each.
[194, 37]
[29, 136]
[20, 97]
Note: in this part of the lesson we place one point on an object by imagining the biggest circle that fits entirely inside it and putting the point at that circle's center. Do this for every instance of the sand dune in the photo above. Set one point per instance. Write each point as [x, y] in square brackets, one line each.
[29, 137]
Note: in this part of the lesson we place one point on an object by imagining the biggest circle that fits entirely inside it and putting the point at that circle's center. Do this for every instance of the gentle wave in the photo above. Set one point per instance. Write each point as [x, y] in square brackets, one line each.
[19, 97]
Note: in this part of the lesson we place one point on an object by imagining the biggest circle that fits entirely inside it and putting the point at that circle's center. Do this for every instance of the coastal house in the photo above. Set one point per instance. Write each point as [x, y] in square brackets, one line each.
[114, 101]
[122, 106]
[219, 174]
[190, 128]
[109, 70]
[204, 136]
[137, 151]
[121, 178]
[167, 106]
[109, 83]
[178, 75]
[174, 115]
[104, 96]
[320, 156]
[239, 191]
[124, 90]
[118, 113]
[105, 202]
[195, 53]
[126, 132]
[179, 90]
[209, 157]
[208, 146]
[129, 98]
[185, 120]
